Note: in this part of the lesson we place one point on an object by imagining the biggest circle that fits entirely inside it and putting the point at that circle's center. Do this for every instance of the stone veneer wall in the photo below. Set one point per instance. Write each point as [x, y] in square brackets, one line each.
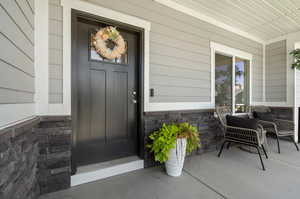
[36, 155]
[204, 120]
[286, 113]
[18, 161]
[54, 163]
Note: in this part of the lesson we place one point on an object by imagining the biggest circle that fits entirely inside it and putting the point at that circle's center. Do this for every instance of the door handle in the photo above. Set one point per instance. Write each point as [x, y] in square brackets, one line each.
[134, 93]
[134, 101]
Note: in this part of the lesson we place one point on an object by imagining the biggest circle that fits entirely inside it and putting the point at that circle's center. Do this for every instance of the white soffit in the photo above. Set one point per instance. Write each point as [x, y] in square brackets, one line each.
[258, 20]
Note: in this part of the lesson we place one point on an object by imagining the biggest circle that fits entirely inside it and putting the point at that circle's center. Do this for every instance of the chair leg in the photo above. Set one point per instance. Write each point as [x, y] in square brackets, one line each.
[228, 145]
[222, 148]
[278, 143]
[261, 161]
[294, 143]
[262, 146]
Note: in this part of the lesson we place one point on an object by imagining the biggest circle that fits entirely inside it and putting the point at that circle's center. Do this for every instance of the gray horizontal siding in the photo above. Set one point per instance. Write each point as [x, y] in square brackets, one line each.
[31, 4]
[9, 96]
[55, 52]
[17, 55]
[180, 49]
[14, 78]
[26, 10]
[276, 72]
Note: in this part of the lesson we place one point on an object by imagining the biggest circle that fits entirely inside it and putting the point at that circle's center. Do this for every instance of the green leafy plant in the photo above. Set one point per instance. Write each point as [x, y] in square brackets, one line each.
[296, 54]
[163, 140]
[191, 133]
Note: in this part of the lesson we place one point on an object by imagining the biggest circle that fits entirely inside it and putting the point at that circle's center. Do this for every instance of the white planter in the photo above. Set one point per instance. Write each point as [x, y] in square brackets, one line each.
[175, 162]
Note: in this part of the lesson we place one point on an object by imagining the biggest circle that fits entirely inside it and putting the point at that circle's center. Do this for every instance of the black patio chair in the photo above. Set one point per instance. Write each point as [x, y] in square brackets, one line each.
[244, 136]
[278, 127]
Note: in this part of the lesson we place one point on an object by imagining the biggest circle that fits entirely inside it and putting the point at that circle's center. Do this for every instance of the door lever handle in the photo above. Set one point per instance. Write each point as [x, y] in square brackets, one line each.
[134, 101]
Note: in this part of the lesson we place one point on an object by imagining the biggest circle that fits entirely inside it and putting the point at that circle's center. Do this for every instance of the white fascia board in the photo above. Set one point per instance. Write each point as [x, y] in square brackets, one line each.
[198, 15]
[179, 106]
[12, 114]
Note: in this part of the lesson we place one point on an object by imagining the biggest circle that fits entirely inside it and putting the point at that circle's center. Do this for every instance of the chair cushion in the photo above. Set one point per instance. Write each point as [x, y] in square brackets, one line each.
[266, 116]
[242, 122]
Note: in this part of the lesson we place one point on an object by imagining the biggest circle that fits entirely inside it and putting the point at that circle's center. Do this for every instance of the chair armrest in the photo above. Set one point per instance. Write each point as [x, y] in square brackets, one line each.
[285, 121]
[268, 124]
[244, 134]
[284, 124]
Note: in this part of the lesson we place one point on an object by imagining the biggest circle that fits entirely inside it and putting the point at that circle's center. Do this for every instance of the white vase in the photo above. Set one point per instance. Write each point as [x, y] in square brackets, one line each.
[174, 164]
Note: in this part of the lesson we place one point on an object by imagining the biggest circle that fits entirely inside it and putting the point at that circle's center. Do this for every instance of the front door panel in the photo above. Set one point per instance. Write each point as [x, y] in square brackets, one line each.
[107, 90]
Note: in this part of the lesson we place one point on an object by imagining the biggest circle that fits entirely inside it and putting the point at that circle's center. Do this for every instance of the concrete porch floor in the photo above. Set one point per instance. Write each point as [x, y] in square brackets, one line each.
[237, 174]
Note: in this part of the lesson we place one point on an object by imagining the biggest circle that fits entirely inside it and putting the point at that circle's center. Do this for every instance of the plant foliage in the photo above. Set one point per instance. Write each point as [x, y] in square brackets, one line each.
[163, 140]
[296, 54]
[191, 133]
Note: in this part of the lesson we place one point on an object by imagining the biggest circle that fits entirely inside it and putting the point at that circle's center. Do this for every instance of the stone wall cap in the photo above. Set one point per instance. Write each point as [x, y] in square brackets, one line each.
[20, 127]
[56, 118]
[180, 111]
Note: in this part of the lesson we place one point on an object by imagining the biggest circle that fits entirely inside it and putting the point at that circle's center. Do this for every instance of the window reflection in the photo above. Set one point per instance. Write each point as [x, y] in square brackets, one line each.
[223, 80]
[241, 85]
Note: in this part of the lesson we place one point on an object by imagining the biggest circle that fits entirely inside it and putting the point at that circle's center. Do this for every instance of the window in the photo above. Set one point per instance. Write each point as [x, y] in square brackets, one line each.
[232, 78]
[96, 57]
[241, 85]
[223, 80]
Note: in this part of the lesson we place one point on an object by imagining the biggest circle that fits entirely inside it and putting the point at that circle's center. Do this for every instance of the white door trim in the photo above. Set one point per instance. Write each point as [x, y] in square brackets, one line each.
[43, 106]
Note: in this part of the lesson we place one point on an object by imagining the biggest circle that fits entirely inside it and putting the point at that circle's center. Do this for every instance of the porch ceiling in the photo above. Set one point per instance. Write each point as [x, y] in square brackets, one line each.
[263, 19]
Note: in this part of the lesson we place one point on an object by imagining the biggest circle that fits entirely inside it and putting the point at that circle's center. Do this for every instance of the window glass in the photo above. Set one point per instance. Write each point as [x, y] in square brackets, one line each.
[223, 80]
[241, 85]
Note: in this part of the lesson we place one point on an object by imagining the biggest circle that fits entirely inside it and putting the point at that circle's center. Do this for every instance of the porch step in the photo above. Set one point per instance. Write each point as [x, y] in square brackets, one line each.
[94, 172]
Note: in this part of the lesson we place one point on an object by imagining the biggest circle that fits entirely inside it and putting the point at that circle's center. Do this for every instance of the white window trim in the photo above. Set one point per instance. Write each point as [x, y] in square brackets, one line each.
[232, 52]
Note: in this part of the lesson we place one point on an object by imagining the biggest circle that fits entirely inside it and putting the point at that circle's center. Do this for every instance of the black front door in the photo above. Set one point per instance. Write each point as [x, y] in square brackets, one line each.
[106, 126]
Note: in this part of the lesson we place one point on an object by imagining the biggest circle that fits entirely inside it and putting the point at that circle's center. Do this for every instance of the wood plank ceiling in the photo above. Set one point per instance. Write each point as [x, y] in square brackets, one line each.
[264, 19]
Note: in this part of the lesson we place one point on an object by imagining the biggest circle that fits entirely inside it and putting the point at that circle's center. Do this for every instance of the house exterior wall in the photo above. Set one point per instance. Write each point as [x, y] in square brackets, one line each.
[54, 162]
[19, 154]
[17, 82]
[276, 72]
[180, 63]
[16, 60]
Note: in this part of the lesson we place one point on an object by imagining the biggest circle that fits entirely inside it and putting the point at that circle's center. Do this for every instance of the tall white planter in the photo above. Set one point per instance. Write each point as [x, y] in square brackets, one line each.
[174, 164]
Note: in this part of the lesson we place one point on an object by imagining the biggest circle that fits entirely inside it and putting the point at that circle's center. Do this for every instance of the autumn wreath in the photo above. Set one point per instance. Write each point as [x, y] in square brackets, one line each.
[109, 43]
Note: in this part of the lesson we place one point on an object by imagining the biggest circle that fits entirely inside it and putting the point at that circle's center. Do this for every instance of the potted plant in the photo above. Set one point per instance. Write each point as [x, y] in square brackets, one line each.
[296, 54]
[171, 143]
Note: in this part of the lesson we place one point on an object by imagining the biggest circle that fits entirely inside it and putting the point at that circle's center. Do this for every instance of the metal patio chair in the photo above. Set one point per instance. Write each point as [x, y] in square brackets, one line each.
[278, 127]
[244, 136]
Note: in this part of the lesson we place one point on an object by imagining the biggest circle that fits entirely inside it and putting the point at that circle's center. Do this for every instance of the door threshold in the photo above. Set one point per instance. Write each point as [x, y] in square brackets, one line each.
[94, 172]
